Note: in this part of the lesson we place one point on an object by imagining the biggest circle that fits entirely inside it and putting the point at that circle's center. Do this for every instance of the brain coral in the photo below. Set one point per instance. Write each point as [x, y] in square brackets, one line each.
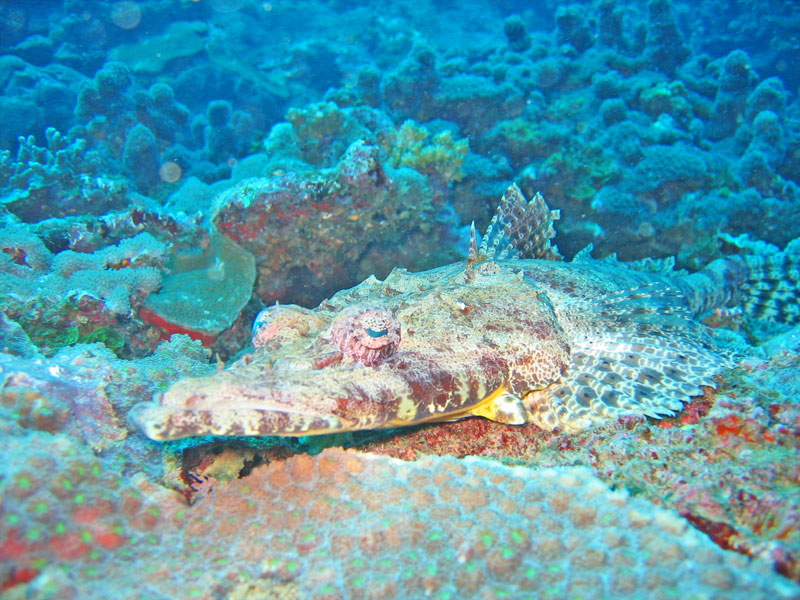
[346, 524]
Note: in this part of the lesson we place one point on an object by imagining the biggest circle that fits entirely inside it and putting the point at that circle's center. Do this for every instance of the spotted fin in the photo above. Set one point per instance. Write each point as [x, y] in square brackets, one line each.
[772, 288]
[519, 229]
[502, 406]
[638, 354]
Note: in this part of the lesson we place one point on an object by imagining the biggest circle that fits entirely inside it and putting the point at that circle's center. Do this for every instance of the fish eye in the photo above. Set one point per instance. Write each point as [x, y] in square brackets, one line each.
[367, 334]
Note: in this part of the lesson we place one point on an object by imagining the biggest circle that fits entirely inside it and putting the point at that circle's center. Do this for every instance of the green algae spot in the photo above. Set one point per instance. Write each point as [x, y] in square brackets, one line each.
[554, 591]
[309, 537]
[431, 569]
[12, 519]
[95, 470]
[554, 568]
[23, 482]
[435, 536]
[66, 484]
[152, 539]
[40, 508]
[359, 581]
[221, 561]
[445, 595]
[292, 566]
[507, 552]
[81, 471]
[119, 529]
[531, 573]
[470, 567]
[358, 562]
[195, 593]
[61, 529]
[79, 498]
[517, 537]
[327, 589]
[487, 539]
[180, 514]
[153, 510]
[33, 535]
[86, 536]
[386, 562]
[39, 564]
[196, 573]
[91, 571]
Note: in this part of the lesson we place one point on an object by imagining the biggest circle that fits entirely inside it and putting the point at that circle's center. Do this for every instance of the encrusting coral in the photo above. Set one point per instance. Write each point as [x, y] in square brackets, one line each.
[345, 524]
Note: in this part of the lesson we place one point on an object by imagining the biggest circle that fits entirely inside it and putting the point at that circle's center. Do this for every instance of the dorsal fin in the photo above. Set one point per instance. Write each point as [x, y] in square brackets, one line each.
[584, 255]
[519, 229]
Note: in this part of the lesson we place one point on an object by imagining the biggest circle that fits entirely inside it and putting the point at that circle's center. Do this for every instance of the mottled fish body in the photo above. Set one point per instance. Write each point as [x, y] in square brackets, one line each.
[516, 340]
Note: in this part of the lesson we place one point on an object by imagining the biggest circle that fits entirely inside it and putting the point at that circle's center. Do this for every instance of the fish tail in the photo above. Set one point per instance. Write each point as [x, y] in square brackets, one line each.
[764, 286]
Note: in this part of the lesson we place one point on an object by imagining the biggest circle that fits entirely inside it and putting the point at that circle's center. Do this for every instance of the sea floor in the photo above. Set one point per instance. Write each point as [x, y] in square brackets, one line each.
[704, 504]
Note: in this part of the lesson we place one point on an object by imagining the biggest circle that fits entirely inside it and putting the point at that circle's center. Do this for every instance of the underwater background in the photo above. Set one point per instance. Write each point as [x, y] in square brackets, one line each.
[170, 167]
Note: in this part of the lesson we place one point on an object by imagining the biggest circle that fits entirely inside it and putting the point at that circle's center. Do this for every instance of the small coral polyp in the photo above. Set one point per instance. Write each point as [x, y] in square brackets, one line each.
[368, 335]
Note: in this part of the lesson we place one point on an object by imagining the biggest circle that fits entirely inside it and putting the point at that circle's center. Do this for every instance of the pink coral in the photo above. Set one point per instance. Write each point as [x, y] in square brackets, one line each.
[345, 524]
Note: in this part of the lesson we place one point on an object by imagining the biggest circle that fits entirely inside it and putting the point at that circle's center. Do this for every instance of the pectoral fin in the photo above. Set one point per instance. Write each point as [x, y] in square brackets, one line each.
[502, 406]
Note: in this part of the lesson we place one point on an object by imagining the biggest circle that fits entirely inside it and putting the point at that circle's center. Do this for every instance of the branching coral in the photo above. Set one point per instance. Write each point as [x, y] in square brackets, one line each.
[413, 146]
[76, 296]
[61, 179]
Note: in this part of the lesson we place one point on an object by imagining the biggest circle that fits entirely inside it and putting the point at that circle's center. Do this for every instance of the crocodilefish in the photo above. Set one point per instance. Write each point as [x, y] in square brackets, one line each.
[513, 334]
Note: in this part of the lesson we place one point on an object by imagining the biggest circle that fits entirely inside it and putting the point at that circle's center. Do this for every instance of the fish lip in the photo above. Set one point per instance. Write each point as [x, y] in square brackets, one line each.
[138, 418]
[165, 423]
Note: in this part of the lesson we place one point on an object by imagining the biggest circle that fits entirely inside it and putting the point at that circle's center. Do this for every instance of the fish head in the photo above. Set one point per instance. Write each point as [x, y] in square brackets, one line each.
[439, 345]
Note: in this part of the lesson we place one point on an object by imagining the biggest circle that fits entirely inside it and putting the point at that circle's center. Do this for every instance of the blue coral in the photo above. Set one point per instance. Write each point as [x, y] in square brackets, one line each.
[140, 156]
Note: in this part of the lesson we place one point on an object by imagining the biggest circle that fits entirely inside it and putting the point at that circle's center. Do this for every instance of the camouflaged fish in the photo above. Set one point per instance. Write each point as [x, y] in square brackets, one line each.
[513, 334]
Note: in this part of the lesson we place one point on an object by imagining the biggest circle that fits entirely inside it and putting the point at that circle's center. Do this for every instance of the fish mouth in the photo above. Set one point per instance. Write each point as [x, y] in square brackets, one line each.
[162, 423]
[222, 405]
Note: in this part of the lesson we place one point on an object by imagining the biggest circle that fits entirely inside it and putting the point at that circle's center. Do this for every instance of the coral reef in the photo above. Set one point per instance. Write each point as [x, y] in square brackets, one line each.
[314, 234]
[169, 167]
[182, 38]
[72, 296]
[441, 155]
[140, 157]
[62, 179]
[345, 525]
